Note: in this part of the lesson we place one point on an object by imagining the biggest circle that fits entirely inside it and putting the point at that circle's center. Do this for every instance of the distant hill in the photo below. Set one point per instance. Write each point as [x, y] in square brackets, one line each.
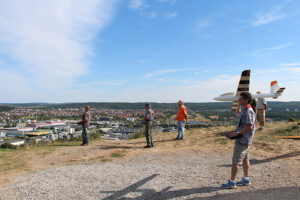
[217, 106]
[5, 108]
[279, 110]
[25, 104]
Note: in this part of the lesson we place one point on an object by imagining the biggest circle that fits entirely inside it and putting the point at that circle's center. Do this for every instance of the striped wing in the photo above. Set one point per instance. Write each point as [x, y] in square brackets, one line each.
[243, 87]
[234, 106]
[278, 93]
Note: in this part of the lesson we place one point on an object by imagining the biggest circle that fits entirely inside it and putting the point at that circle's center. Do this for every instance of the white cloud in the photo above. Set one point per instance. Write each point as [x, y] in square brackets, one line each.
[137, 4]
[167, 1]
[110, 82]
[166, 71]
[51, 39]
[267, 18]
[272, 49]
[274, 14]
[293, 69]
[141, 61]
[170, 15]
[162, 80]
[264, 71]
[290, 64]
[202, 24]
[168, 90]
[141, 7]
[188, 90]
[14, 87]
[150, 15]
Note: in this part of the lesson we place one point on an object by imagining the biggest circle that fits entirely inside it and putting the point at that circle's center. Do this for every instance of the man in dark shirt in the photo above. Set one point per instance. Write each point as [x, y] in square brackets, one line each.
[85, 122]
[149, 118]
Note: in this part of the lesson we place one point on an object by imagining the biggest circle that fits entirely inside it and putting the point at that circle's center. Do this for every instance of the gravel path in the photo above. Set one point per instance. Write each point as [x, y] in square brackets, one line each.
[185, 176]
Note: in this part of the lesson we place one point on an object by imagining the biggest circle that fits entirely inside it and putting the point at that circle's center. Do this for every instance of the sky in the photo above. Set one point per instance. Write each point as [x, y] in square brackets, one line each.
[59, 51]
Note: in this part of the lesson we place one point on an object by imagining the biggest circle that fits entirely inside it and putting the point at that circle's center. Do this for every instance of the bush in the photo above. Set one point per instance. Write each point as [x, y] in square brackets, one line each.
[138, 134]
[292, 119]
[24, 146]
[94, 135]
[8, 146]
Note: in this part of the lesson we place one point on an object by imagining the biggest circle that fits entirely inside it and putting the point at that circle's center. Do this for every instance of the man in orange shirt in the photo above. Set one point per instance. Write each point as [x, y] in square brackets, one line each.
[181, 119]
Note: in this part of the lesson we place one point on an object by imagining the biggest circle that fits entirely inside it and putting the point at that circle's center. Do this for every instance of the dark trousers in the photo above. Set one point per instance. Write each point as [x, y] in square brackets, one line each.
[148, 133]
[85, 138]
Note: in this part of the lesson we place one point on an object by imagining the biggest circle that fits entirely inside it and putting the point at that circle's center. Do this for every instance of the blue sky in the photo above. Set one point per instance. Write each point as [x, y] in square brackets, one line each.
[146, 50]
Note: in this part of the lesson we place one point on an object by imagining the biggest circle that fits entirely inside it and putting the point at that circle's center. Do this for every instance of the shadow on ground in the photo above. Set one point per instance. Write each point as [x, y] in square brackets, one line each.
[266, 160]
[112, 147]
[287, 193]
[152, 194]
[160, 141]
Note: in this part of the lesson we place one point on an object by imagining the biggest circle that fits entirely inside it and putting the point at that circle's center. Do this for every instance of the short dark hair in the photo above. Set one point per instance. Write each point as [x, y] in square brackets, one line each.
[247, 95]
[147, 105]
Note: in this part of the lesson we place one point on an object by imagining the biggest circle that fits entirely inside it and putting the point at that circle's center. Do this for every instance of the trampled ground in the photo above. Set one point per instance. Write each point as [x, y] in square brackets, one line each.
[190, 169]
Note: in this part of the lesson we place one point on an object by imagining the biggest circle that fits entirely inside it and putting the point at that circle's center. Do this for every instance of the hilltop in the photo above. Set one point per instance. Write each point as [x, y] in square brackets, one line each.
[185, 169]
[278, 111]
[276, 105]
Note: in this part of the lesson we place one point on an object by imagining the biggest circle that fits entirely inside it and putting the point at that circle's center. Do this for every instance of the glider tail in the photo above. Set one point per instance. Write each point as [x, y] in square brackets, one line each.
[243, 87]
[276, 90]
[274, 87]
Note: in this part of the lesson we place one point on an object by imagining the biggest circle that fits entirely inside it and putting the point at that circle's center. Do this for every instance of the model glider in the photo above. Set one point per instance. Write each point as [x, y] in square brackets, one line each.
[244, 87]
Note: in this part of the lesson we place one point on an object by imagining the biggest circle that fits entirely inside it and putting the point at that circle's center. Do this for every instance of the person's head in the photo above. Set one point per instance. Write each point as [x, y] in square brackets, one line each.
[147, 105]
[245, 98]
[180, 102]
[258, 92]
[87, 108]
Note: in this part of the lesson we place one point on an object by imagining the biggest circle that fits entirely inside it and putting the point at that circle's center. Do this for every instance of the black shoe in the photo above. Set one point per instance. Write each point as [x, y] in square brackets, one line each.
[177, 138]
[85, 144]
[180, 138]
[152, 145]
[147, 146]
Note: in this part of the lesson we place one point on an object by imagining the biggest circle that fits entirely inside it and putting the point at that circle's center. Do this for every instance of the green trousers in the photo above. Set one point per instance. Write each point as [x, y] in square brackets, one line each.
[148, 133]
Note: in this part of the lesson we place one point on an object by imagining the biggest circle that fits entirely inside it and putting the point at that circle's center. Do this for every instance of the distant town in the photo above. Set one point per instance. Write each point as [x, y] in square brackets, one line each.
[44, 123]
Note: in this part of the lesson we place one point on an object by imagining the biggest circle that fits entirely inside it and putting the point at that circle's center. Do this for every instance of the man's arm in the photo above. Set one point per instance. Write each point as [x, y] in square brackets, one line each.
[185, 113]
[266, 107]
[248, 128]
[265, 104]
[250, 121]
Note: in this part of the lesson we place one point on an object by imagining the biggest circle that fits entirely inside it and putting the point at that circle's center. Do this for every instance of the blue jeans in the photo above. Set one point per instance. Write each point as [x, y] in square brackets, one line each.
[85, 138]
[181, 125]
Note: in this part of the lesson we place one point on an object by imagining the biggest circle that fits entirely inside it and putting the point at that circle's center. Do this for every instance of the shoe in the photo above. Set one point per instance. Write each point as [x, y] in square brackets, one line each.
[244, 182]
[261, 129]
[84, 144]
[177, 138]
[152, 145]
[229, 185]
[180, 138]
[147, 146]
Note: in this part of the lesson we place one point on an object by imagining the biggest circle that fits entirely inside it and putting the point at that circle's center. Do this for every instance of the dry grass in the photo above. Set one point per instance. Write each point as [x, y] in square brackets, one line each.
[203, 140]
